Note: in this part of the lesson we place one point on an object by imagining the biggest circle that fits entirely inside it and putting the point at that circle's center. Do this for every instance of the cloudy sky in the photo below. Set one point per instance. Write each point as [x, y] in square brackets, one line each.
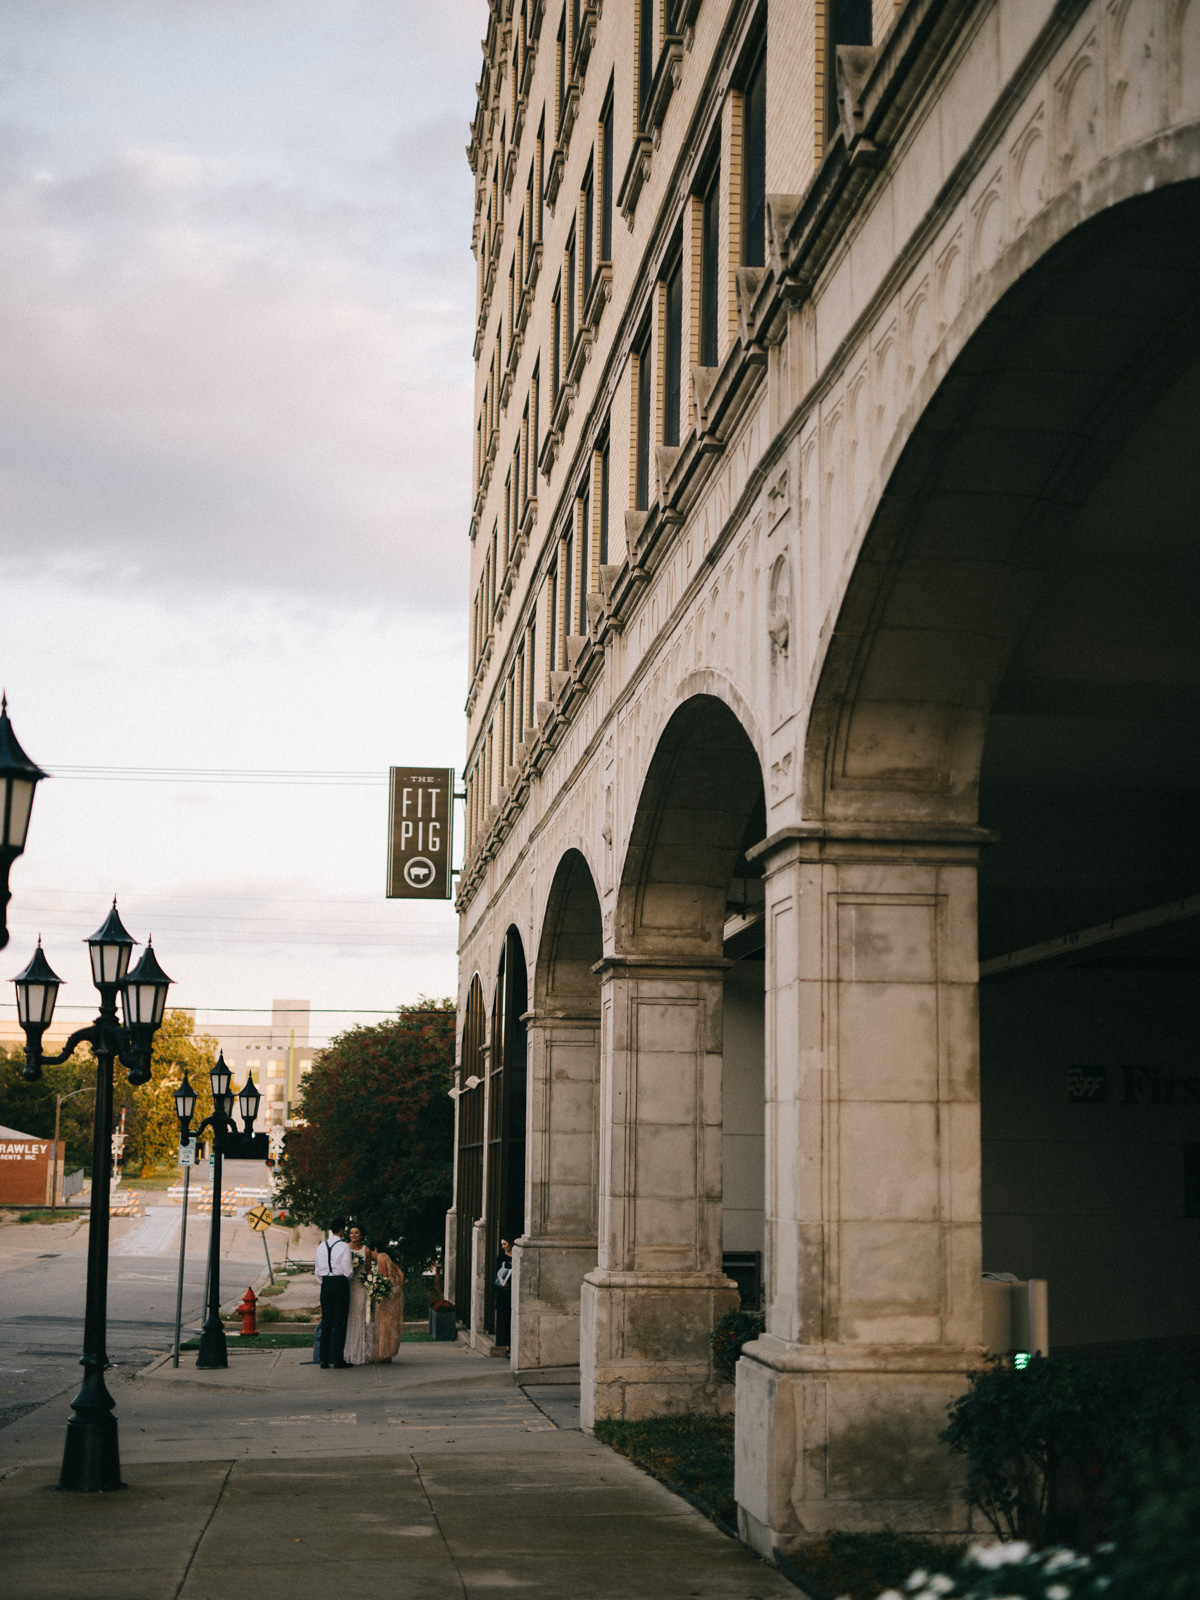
[236, 311]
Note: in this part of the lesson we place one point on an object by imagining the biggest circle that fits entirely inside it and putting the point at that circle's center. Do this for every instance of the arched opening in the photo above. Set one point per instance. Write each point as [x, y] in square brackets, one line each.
[1017, 651]
[674, 1178]
[468, 1190]
[1023, 650]
[559, 1245]
[506, 1104]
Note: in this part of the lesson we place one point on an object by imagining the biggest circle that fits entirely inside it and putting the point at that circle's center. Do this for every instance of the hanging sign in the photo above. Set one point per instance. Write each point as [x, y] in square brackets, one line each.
[419, 833]
[187, 1153]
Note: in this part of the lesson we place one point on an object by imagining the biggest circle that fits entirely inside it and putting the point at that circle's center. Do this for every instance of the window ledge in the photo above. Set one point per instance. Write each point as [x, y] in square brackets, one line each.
[635, 177]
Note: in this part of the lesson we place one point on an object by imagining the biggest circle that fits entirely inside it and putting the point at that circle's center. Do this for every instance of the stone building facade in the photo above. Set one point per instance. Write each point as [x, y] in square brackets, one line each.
[830, 882]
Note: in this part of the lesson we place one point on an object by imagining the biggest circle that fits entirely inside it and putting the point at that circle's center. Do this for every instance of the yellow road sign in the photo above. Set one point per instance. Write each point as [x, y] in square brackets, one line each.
[260, 1218]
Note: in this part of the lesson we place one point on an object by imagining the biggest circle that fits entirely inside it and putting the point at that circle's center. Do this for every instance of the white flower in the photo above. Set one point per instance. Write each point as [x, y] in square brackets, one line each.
[916, 1580]
[1058, 1591]
[998, 1555]
[941, 1584]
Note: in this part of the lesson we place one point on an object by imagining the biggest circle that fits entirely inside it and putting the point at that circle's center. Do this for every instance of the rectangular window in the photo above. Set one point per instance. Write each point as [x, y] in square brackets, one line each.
[531, 675]
[570, 291]
[520, 693]
[574, 25]
[644, 404]
[710, 269]
[589, 231]
[585, 556]
[534, 405]
[673, 353]
[606, 179]
[555, 340]
[645, 59]
[560, 74]
[540, 180]
[568, 578]
[552, 618]
[754, 163]
[603, 550]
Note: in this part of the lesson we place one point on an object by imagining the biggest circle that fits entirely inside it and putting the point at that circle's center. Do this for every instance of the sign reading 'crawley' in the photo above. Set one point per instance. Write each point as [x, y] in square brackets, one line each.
[419, 817]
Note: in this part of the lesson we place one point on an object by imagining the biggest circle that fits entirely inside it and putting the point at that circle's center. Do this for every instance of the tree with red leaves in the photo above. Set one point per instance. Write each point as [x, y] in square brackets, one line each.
[377, 1140]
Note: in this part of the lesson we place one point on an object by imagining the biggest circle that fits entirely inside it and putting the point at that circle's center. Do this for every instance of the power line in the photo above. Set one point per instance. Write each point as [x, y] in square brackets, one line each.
[325, 780]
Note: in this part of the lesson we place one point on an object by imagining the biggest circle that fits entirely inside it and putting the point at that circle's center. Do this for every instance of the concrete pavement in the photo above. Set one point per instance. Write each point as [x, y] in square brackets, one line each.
[433, 1476]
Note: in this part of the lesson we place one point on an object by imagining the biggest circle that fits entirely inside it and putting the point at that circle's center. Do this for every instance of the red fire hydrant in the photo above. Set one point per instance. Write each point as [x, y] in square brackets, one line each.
[246, 1312]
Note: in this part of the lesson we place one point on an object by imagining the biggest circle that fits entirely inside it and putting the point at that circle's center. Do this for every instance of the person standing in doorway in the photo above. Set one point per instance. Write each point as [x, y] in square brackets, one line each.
[334, 1268]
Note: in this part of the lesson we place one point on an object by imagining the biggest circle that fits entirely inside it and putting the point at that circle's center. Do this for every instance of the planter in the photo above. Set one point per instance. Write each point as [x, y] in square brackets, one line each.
[443, 1325]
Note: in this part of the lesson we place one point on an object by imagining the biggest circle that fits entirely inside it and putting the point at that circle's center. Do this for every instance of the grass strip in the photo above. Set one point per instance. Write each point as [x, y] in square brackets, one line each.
[687, 1450]
[297, 1339]
[859, 1566]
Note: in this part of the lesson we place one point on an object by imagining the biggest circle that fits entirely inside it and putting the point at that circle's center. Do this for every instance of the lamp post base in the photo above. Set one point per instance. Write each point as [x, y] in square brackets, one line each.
[91, 1455]
[213, 1350]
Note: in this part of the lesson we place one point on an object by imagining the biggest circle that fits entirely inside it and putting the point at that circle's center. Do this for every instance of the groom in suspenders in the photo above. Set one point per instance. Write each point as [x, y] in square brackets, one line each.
[334, 1267]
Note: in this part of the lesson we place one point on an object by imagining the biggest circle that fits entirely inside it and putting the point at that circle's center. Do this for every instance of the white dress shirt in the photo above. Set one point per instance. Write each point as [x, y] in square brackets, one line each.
[334, 1259]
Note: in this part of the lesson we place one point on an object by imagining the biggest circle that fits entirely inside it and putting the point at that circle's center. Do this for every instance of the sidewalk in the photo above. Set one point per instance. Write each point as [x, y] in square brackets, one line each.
[433, 1476]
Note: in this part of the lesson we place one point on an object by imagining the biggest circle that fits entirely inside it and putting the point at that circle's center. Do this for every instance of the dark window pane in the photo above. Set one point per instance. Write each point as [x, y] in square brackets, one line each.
[606, 186]
[754, 133]
[589, 233]
[710, 255]
[673, 354]
[643, 428]
[645, 56]
[604, 505]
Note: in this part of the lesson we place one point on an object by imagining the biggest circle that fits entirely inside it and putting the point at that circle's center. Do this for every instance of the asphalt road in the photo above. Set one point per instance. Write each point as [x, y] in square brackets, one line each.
[43, 1277]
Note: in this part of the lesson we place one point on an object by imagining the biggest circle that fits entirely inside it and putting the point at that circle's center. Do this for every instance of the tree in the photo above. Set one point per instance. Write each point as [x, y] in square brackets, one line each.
[151, 1128]
[376, 1145]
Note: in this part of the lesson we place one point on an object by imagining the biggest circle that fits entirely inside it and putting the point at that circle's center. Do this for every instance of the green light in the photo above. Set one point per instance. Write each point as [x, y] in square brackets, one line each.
[1020, 1360]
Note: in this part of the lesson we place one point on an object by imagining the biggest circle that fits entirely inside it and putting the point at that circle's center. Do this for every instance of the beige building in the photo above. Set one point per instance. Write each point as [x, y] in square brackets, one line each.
[828, 916]
[278, 1055]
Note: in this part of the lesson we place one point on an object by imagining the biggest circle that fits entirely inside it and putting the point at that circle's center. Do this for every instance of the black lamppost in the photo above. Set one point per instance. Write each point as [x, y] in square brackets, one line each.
[227, 1141]
[18, 779]
[91, 1458]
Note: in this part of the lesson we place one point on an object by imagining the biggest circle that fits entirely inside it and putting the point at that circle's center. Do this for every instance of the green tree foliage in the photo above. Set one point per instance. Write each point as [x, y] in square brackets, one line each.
[151, 1129]
[379, 1125]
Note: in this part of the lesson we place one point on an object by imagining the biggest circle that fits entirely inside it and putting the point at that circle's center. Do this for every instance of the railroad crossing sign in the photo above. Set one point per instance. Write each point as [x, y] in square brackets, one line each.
[259, 1217]
[275, 1141]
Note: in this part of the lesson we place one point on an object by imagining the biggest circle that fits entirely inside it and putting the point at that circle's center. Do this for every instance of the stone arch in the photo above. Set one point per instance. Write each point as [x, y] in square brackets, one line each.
[559, 1245]
[1057, 377]
[469, 1142]
[703, 783]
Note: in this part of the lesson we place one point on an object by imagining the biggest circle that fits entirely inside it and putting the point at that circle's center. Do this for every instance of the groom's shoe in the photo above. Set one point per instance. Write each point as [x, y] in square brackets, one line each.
[340, 1365]
[324, 1366]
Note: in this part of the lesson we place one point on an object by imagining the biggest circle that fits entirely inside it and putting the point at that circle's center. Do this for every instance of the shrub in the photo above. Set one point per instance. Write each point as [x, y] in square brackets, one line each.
[735, 1329]
[856, 1566]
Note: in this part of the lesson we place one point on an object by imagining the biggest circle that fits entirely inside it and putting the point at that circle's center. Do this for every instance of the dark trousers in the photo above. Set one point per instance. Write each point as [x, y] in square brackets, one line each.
[335, 1308]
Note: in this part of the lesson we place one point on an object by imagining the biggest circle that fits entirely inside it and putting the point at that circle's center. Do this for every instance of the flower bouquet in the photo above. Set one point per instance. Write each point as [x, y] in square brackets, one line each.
[376, 1283]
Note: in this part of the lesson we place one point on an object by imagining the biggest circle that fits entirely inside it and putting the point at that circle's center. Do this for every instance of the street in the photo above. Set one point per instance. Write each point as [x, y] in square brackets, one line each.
[43, 1272]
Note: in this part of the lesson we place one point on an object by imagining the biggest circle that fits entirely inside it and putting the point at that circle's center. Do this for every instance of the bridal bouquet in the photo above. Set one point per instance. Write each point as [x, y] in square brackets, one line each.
[377, 1285]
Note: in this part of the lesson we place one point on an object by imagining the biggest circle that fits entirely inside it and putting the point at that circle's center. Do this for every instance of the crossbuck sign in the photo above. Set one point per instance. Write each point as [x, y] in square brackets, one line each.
[419, 833]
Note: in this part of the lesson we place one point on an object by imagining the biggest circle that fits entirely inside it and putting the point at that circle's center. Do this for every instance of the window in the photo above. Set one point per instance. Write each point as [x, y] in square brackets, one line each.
[589, 231]
[570, 289]
[710, 269]
[540, 181]
[850, 23]
[642, 453]
[645, 59]
[606, 179]
[534, 403]
[560, 74]
[585, 555]
[602, 553]
[552, 616]
[531, 674]
[754, 163]
[673, 352]
[555, 340]
[568, 579]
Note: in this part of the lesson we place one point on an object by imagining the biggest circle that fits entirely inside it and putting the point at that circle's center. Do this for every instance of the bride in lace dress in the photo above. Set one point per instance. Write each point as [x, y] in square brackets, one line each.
[357, 1331]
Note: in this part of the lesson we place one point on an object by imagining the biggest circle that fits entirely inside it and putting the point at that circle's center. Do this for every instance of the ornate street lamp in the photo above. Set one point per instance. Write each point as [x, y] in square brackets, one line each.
[91, 1456]
[227, 1141]
[19, 777]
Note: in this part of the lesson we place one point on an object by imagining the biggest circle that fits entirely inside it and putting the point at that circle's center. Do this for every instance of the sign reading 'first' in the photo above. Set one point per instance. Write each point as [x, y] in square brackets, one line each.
[419, 833]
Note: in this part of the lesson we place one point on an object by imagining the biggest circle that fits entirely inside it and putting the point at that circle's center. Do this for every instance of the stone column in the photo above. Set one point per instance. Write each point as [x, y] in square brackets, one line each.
[872, 1194]
[650, 1305]
[560, 1199]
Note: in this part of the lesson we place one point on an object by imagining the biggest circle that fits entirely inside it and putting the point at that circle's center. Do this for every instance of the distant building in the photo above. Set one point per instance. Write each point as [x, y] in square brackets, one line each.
[279, 1055]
